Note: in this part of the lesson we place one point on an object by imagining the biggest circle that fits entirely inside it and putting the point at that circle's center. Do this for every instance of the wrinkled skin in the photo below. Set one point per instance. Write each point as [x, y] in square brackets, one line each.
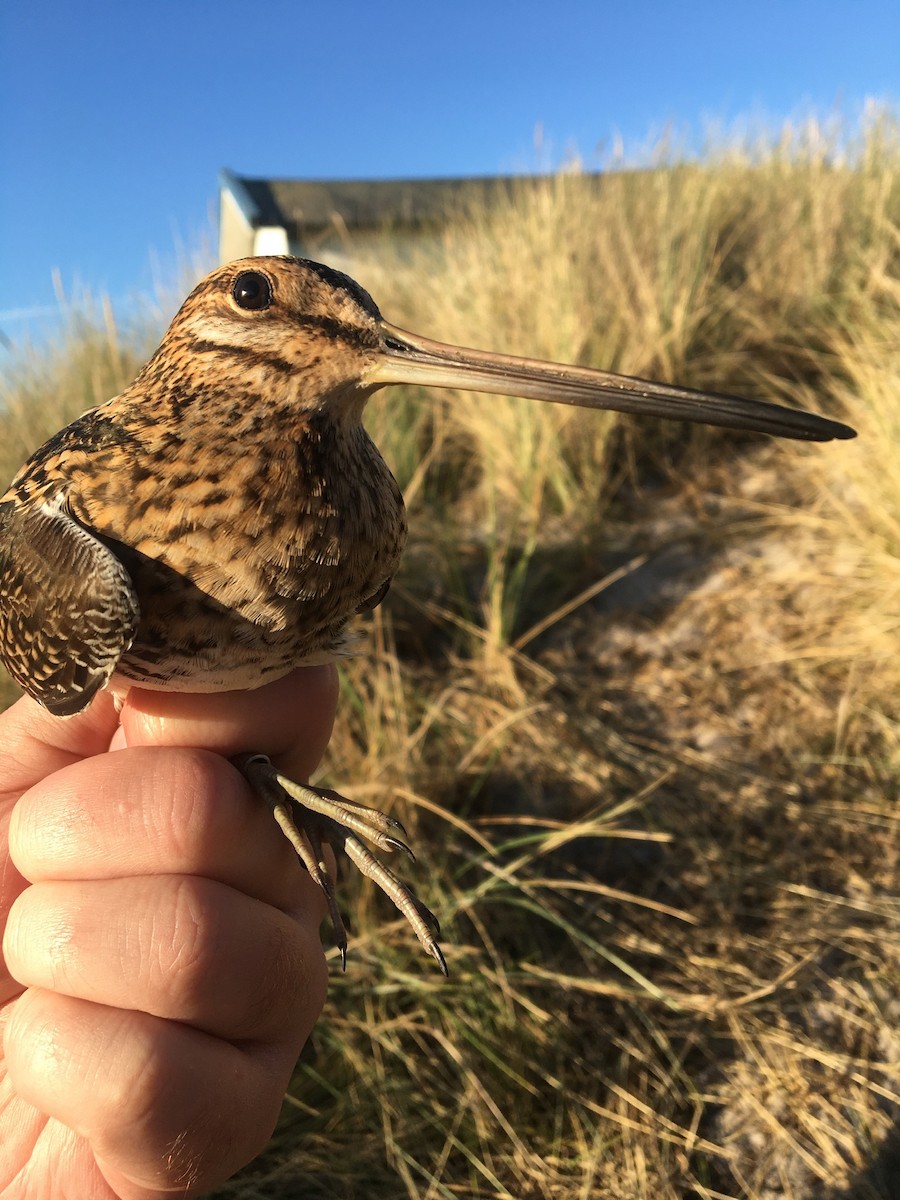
[161, 960]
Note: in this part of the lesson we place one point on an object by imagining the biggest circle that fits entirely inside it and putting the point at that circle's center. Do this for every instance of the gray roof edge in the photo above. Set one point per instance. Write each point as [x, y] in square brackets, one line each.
[307, 203]
[394, 180]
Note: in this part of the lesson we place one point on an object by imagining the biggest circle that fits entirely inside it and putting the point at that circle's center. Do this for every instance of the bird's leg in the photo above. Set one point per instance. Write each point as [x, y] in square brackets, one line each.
[309, 816]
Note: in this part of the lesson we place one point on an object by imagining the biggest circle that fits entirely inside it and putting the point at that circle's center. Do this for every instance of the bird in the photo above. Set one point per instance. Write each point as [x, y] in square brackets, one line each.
[224, 518]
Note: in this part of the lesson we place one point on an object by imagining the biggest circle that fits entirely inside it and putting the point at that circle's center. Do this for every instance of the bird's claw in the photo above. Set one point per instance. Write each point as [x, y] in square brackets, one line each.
[310, 816]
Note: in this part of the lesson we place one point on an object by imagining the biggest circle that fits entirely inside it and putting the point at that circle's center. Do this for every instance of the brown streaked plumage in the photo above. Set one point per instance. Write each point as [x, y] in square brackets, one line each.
[222, 520]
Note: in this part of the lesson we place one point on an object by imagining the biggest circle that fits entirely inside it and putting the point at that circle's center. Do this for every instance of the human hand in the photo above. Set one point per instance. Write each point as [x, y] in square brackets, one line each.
[163, 969]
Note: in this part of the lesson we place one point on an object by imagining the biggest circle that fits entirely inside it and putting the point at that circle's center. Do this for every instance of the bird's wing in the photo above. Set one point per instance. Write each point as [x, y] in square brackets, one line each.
[68, 608]
[375, 599]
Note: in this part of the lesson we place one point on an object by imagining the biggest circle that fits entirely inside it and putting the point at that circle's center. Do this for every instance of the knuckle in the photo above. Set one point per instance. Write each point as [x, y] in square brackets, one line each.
[185, 938]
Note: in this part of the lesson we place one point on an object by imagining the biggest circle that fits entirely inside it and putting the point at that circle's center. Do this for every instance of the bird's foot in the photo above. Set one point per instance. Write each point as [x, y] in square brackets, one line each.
[310, 816]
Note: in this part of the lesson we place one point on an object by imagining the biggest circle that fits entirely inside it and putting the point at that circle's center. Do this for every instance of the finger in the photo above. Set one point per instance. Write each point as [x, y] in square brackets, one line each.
[162, 1104]
[290, 719]
[34, 743]
[178, 947]
[157, 811]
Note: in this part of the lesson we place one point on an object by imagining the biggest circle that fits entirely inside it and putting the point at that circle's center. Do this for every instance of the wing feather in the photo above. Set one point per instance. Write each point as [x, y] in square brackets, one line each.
[68, 608]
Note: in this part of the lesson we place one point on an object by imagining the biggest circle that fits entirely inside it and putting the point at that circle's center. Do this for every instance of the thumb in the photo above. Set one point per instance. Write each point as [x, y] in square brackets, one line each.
[290, 719]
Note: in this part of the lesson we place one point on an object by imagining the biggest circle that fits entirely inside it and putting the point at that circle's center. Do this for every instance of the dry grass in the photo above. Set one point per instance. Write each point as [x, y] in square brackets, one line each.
[657, 818]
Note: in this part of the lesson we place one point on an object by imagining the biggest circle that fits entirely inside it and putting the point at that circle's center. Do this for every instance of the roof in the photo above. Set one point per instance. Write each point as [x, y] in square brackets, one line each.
[313, 204]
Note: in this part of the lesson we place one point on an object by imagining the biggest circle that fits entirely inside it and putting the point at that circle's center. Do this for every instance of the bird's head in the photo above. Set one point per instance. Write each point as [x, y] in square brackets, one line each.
[304, 332]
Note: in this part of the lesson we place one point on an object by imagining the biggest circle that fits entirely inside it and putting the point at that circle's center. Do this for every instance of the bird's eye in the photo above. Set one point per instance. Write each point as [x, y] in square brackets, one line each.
[252, 290]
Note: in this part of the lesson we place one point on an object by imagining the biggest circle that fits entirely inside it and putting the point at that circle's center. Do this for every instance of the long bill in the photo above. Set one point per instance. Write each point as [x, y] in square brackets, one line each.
[408, 358]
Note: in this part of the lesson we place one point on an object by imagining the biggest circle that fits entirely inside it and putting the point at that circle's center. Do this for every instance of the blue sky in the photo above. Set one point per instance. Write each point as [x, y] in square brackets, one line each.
[116, 116]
